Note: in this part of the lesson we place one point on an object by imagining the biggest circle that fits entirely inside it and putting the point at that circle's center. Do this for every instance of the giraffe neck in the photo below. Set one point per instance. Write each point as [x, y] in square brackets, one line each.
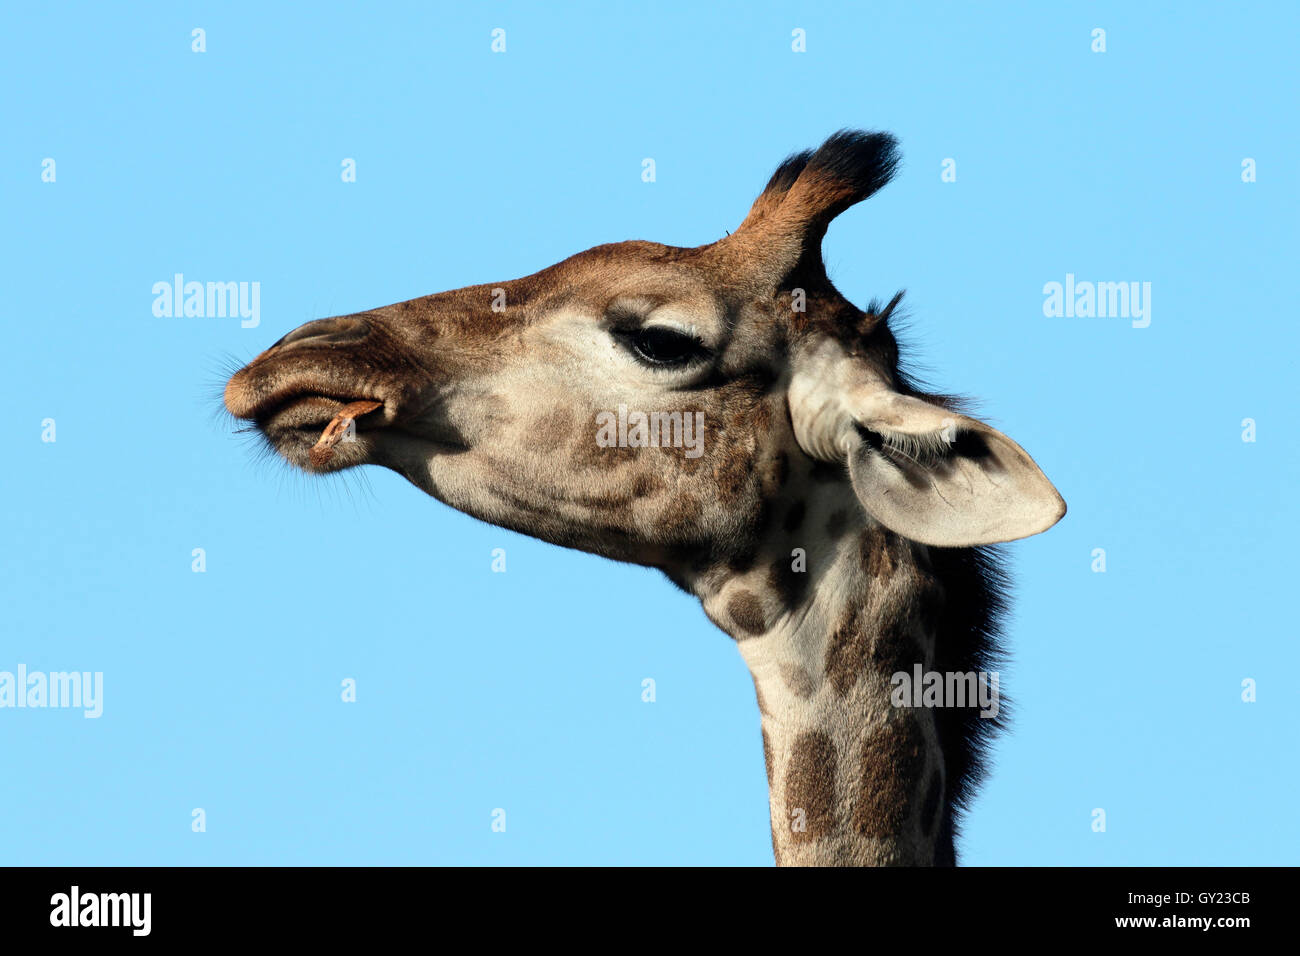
[853, 778]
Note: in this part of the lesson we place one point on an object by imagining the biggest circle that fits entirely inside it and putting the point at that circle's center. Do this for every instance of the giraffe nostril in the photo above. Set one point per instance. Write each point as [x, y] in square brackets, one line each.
[327, 332]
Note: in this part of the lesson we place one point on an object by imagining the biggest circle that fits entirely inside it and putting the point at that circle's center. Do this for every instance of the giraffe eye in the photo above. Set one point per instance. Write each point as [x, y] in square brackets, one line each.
[658, 345]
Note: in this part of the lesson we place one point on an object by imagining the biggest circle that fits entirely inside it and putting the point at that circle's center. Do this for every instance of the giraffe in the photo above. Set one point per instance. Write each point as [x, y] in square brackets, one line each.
[834, 520]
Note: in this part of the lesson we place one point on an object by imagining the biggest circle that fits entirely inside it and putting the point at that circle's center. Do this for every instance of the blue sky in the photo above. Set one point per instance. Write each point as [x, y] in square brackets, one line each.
[522, 690]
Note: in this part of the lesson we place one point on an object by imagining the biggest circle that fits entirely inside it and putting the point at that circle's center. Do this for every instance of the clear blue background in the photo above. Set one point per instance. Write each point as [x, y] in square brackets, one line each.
[522, 690]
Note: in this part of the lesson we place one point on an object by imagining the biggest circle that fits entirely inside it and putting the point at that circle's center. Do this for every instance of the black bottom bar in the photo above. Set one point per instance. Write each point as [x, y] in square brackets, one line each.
[210, 904]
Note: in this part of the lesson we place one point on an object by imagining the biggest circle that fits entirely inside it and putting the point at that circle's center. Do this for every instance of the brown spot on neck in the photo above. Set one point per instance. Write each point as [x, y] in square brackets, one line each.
[644, 484]
[893, 648]
[846, 650]
[680, 514]
[892, 759]
[881, 552]
[810, 787]
[746, 612]
[798, 680]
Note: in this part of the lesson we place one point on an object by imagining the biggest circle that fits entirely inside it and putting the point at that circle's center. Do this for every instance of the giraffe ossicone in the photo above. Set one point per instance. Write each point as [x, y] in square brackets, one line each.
[834, 521]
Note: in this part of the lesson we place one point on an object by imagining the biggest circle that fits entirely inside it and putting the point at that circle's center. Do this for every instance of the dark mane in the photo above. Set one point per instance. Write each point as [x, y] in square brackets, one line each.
[969, 638]
[977, 596]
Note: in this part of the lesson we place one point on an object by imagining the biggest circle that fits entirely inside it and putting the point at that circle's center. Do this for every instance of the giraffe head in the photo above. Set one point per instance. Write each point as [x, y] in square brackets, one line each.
[648, 402]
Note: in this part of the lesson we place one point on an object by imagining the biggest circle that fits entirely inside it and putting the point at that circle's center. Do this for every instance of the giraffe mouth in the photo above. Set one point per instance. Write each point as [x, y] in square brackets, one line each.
[322, 433]
[310, 412]
[317, 432]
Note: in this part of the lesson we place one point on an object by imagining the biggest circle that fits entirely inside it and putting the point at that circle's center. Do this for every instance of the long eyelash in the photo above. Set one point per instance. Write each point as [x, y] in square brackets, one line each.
[688, 331]
[623, 320]
[697, 346]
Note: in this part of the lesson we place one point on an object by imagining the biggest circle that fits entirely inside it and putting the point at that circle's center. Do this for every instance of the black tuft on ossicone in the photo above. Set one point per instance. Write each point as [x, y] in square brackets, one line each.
[864, 162]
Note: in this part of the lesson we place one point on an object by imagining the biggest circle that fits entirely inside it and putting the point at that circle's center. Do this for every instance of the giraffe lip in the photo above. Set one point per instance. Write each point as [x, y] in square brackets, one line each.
[302, 409]
[298, 423]
[306, 412]
[307, 430]
[255, 396]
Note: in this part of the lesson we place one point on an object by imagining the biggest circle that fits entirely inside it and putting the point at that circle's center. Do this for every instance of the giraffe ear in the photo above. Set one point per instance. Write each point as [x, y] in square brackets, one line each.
[941, 478]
